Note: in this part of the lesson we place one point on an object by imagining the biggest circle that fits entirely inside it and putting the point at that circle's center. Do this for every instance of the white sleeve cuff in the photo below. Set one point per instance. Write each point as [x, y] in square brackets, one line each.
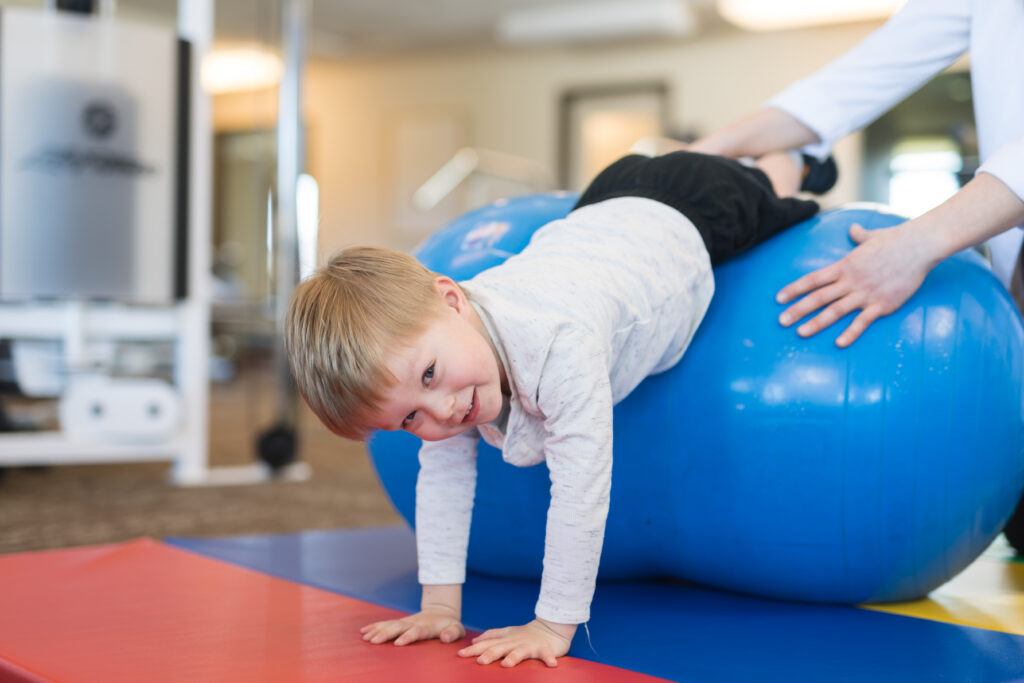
[438, 577]
[1007, 164]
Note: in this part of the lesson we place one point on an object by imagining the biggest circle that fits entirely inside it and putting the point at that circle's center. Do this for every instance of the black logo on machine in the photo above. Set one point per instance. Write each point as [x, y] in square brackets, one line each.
[99, 119]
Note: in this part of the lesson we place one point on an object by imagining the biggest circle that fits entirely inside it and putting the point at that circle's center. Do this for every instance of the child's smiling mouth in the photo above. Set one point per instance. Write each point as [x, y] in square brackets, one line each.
[472, 411]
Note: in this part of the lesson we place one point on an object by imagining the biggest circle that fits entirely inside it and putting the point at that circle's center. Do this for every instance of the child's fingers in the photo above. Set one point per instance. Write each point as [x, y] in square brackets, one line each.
[511, 645]
[517, 655]
[386, 631]
[489, 650]
[411, 635]
[370, 631]
[370, 627]
[451, 633]
[474, 649]
[378, 636]
[492, 633]
[495, 652]
[524, 652]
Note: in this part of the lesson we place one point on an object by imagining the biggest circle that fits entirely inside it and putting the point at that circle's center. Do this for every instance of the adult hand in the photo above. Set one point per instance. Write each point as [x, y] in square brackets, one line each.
[877, 277]
[889, 264]
[438, 622]
[539, 639]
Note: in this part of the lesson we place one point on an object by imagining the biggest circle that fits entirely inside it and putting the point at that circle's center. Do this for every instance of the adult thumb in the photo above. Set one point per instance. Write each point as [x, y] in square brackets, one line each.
[858, 234]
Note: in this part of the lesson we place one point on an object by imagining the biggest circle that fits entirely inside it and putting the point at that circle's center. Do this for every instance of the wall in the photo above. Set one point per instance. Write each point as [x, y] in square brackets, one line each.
[509, 99]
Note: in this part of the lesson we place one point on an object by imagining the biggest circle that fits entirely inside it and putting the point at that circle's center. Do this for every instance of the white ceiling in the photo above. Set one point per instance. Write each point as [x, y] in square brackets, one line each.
[364, 27]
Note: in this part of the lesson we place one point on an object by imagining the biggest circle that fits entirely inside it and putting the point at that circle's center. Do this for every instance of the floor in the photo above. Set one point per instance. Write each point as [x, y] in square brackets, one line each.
[66, 506]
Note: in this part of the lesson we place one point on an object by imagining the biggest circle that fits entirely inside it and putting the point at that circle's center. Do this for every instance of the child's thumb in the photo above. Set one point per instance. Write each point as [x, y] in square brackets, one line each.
[451, 633]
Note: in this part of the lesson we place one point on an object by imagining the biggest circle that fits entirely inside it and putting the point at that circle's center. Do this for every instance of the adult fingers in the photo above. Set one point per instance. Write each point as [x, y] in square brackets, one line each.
[829, 316]
[860, 235]
[812, 302]
[812, 280]
[857, 327]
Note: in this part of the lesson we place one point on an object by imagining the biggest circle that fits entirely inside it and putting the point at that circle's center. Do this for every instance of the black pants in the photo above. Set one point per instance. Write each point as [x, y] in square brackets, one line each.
[733, 206]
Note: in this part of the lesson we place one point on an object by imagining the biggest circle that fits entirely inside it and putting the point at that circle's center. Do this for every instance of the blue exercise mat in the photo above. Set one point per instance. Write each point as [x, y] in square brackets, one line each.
[672, 630]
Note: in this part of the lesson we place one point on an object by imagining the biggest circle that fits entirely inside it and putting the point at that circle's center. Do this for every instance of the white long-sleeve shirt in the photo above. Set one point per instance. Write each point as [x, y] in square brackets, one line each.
[593, 305]
[919, 41]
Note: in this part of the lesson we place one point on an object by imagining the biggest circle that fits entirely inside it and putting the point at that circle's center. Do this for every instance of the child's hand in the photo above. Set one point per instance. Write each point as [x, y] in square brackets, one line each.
[435, 622]
[543, 640]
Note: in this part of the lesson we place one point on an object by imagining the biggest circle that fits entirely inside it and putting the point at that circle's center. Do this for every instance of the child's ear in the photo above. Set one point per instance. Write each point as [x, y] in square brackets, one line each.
[450, 293]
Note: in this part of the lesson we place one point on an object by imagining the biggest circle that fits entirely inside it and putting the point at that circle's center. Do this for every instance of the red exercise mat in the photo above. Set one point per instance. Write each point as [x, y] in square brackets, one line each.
[145, 612]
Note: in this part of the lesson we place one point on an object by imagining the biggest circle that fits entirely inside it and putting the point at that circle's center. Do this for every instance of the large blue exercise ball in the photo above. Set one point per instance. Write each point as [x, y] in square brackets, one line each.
[770, 464]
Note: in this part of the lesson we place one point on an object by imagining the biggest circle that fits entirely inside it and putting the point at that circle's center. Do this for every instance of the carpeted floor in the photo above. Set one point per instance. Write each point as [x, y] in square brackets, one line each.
[64, 506]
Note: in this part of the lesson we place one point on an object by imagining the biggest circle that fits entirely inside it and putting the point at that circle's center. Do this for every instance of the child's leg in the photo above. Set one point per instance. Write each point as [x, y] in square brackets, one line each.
[785, 170]
[733, 206]
[792, 171]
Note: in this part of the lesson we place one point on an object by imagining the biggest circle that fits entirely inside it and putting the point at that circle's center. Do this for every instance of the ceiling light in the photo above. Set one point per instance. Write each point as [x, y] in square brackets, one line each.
[601, 20]
[758, 15]
[240, 68]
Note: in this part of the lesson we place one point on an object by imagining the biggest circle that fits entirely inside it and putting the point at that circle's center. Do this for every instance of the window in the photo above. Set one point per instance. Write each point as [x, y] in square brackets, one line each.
[923, 174]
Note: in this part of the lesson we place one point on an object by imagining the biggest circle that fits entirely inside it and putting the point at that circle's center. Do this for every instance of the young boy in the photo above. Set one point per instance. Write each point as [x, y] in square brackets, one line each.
[531, 356]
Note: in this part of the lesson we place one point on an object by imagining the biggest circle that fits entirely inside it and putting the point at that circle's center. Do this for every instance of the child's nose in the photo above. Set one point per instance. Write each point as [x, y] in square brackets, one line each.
[444, 408]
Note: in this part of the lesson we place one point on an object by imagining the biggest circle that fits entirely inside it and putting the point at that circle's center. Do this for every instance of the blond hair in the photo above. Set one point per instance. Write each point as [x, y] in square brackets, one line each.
[343, 321]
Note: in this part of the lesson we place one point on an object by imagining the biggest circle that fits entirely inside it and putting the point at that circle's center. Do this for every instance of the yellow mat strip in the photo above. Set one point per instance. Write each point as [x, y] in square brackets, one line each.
[988, 594]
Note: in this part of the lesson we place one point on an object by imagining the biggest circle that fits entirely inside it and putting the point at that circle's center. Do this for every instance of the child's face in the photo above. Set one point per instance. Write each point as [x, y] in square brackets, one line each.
[448, 377]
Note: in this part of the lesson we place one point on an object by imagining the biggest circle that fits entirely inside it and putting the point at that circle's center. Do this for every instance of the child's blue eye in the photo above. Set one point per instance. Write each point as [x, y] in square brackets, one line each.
[408, 420]
[428, 374]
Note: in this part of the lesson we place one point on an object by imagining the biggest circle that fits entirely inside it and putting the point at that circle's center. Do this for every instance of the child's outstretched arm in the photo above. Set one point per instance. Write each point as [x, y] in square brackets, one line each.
[575, 395]
[444, 505]
[439, 617]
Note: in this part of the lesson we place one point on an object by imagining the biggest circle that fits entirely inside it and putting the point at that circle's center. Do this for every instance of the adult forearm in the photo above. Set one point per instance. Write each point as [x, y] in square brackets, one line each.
[983, 208]
[765, 130]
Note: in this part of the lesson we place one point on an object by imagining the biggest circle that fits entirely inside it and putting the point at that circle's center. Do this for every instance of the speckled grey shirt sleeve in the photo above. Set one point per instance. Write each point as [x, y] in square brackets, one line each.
[576, 396]
[445, 488]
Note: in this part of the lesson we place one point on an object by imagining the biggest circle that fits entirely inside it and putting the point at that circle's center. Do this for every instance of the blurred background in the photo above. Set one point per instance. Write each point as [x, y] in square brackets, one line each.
[169, 169]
